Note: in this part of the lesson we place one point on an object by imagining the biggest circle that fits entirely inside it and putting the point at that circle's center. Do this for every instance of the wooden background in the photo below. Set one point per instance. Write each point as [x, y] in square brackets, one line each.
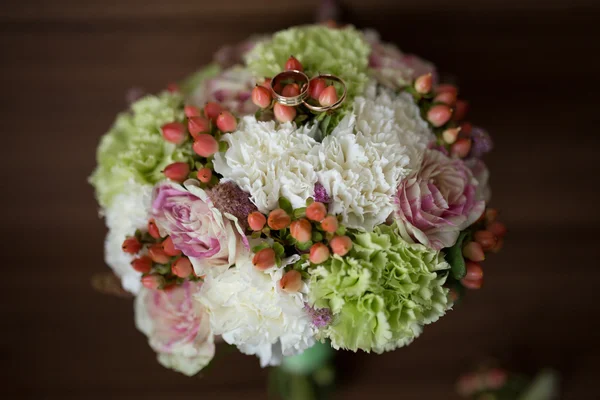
[530, 71]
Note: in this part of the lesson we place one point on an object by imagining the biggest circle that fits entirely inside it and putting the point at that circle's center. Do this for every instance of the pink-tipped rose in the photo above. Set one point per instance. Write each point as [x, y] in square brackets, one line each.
[208, 237]
[439, 201]
[177, 327]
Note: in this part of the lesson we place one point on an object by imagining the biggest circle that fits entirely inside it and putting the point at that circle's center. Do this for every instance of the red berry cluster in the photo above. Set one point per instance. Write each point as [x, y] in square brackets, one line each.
[162, 265]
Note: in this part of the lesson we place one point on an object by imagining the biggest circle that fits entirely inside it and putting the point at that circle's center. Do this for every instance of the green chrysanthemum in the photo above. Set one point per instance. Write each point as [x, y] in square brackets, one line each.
[134, 149]
[381, 293]
[342, 52]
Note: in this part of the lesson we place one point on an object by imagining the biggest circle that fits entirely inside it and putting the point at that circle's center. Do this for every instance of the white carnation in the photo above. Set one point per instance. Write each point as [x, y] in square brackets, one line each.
[128, 212]
[249, 310]
[269, 161]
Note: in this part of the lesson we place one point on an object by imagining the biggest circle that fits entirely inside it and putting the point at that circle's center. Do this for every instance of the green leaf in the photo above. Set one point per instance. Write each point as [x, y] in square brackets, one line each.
[309, 201]
[255, 235]
[223, 146]
[317, 236]
[455, 258]
[341, 230]
[279, 250]
[325, 123]
[304, 246]
[260, 247]
[299, 213]
[285, 205]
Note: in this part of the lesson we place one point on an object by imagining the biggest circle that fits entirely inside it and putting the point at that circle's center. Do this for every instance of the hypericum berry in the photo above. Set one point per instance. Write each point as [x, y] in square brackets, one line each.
[486, 239]
[316, 87]
[448, 98]
[204, 175]
[461, 148]
[191, 111]
[495, 378]
[178, 171]
[278, 219]
[301, 230]
[453, 295]
[423, 83]
[460, 110]
[466, 128]
[174, 132]
[293, 64]
[169, 247]
[473, 252]
[261, 96]
[330, 224]
[157, 254]
[474, 271]
[264, 259]
[450, 135]
[497, 228]
[182, 267]
[142, 264]
[446, 88]
[226, 122]
[316, 211]
[153, 281]
[340, 245]
[291, 281]
[131, 245]
[328, 96]
[471, 283]
[319, 253]
[291, 90]
[197, 125]
[267, 84]
[205, 145]
[438, 115]
[256, 220]
[498, 245]
[153, 229]
[212, 110]
[284, 113]
[490, 215]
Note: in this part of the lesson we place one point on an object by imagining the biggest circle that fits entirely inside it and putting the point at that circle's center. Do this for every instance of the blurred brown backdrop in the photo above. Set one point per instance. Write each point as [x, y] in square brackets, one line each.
[530, 70]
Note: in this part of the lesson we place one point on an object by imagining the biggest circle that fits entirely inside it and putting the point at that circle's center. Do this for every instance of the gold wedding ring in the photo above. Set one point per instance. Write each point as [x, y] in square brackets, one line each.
[297, 77]
[329, 77]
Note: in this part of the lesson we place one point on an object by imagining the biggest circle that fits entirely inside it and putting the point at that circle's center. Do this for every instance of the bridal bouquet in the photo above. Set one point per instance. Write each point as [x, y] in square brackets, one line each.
[316, 185]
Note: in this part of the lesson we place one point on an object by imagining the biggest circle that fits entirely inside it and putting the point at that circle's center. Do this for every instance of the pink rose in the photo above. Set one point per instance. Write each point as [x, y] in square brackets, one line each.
[177, 327]
[437, 202]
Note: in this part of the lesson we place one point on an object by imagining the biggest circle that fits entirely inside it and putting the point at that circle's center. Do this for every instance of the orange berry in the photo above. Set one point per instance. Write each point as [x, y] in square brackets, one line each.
[142, 264]
[158, 255]
[473, 252]
[153, 282]
[284, 113]
[291, 281]
[153, 229]
[330, 224]
[174, 132]
[319, 253]
[169, 247]
[178, 171]
[256, 221]
[423, 83]
[264, 259]
[293, 64]
[438, 115]
[301, 230]
[204, 175]
[212, 110]
[182, 267]
[486, 239]
[226, 122]
[278, 219]
[328, 96]
[205, 145]
[131, 245]
[341, 245]
[316, 211]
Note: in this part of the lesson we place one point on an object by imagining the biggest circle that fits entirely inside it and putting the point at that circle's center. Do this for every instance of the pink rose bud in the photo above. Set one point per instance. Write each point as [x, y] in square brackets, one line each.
[446, 88]
[460, 110]
[291, 281]
[284, 113]
[301, 230]
[157, 254]
[205, 145]
[486, 239]
[497, 228]
[204, 175]
[264, 259]
[172, 87]
[293, 64]
[316, 212]
[439, 115]
[191, 111]
[319, 253]
[153, 229]
[261, 96]
[448, 98]
[278, 219]
[473, 252]
[330, 224]
[291, 90]
[328, 96]
[316, 88]
[461, 148]
[450, 135]
[472, 284]
[423, 83]
[212, 110]
[174, 132]
[182, 267]
[226, 122]
[198, 125]
[169, 247]
[178, 171]
[153, 282]
[131, 245]
[474, 271]
[142, 264]
[341, 245]
[256, 220]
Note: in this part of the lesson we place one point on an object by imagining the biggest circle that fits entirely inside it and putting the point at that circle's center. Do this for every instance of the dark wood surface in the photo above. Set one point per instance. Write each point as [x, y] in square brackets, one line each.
[530, 71]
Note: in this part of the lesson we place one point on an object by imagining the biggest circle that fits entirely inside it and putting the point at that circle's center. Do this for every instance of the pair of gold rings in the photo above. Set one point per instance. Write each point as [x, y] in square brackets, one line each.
[303, 82]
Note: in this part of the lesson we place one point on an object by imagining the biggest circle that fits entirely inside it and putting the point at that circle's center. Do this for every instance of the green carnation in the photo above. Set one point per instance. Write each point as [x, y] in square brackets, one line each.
[381, 293]
[342, 52]
[134, 149]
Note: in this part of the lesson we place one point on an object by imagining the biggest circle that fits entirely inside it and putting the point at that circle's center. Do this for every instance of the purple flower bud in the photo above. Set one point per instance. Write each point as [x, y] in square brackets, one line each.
[321, 194]
[482, 142]
[321, 317]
